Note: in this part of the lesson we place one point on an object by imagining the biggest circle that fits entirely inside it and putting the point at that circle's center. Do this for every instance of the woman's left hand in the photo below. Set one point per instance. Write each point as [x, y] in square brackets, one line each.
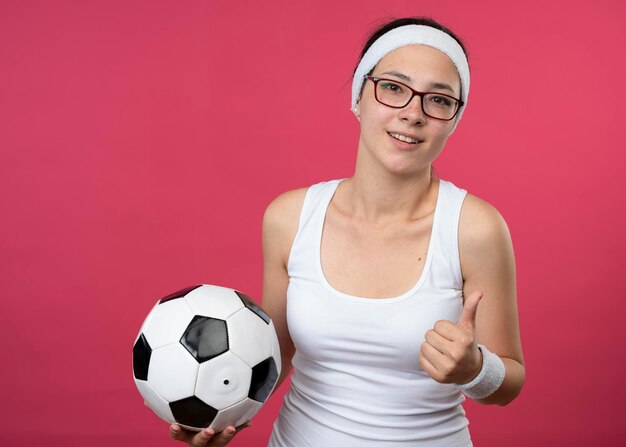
[450, 353]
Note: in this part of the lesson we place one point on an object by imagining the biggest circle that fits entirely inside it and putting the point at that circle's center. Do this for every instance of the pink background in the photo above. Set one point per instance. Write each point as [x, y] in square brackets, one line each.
[142, 140]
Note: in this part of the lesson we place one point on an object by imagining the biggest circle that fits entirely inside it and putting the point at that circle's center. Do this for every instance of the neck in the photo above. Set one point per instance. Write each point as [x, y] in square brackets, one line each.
[386, 198]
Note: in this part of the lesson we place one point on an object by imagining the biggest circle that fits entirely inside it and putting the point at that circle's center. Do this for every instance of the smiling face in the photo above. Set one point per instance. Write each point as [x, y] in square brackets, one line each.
[426, 70]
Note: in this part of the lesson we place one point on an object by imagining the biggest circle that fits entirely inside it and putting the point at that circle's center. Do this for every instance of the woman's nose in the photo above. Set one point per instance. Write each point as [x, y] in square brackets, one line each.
[413, 111]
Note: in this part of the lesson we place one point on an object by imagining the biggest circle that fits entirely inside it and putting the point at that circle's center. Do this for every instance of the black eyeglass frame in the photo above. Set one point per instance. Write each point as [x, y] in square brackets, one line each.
[414, 93]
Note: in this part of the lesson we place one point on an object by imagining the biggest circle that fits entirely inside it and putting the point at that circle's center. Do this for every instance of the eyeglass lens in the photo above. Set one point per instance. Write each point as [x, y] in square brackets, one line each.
[397, 95]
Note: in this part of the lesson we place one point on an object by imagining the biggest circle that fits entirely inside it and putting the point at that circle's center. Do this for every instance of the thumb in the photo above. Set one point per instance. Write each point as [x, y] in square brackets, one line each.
[468, 316]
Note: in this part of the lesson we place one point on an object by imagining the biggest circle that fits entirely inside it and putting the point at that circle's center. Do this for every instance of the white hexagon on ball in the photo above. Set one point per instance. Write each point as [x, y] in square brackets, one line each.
[252, 345]
[173, 372]
[167, 323]
[215, 301]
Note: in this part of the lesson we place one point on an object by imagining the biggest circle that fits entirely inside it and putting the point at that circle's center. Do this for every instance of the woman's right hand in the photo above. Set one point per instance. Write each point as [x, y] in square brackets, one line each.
[206, 437]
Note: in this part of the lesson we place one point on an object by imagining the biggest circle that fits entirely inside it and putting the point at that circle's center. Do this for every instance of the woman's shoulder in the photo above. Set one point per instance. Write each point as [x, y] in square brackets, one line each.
[280, 222]
[482, 229]
[476, 214]
[479, 215]
[286, 207]
[480, 219]
[281, 218]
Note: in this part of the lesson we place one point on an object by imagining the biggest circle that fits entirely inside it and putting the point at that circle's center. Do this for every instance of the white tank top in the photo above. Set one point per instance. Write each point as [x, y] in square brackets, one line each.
[357, 379]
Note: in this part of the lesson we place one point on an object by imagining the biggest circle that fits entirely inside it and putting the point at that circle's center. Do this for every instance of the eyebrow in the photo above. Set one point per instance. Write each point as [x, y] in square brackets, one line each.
[432, 85]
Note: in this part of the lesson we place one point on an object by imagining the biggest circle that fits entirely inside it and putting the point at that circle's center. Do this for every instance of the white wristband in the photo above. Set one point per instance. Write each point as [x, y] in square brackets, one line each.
[489, 378]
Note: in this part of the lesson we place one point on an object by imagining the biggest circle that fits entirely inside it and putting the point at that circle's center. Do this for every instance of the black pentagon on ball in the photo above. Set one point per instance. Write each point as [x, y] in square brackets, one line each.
[250, 304]
[264, 376]
[205, 338]
[141, 358]
[193, 412]
[179, 294]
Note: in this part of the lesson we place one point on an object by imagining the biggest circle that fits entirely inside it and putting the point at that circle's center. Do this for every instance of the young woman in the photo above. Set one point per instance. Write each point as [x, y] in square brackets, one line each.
[392, 291]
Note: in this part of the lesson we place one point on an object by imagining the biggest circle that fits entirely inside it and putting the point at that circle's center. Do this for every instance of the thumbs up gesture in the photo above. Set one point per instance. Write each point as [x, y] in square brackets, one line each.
[449, 353]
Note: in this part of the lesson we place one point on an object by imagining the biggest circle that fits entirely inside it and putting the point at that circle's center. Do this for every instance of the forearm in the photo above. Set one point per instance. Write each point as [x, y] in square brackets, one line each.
[514, 378]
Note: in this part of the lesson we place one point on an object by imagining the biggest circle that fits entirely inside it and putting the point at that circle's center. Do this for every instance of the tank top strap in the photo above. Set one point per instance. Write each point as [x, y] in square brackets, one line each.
[315, 201]
[446, 259]
[303, 250]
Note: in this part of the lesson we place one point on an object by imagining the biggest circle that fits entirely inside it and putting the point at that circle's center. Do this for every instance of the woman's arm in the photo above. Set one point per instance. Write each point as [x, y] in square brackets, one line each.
[488, 266]
[280, 224]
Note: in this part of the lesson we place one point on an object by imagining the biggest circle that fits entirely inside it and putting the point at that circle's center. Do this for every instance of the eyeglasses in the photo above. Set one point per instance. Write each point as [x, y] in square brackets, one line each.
[398, 95]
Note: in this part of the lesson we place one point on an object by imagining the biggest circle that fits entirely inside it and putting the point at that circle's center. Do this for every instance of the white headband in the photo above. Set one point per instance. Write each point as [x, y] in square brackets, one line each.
[414, 34]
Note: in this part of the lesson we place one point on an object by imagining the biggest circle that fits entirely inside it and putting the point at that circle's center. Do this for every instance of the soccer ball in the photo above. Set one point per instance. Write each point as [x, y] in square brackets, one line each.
[206, 356]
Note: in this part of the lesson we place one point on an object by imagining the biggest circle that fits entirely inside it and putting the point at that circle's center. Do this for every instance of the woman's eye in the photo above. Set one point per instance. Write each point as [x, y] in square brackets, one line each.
[440, 100]
[392, 87]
